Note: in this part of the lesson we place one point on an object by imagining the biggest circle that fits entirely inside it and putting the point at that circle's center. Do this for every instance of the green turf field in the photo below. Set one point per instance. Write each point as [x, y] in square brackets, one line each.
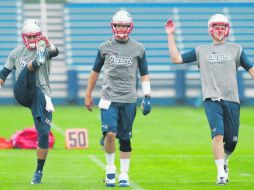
[171, 150]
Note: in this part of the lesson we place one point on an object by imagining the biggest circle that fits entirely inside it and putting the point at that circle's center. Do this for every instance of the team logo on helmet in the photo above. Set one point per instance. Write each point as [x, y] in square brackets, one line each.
[30, 32]
[122, 17]
[218, 26]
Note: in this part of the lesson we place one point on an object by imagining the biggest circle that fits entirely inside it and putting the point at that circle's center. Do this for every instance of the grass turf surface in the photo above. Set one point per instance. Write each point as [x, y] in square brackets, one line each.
[171, 150]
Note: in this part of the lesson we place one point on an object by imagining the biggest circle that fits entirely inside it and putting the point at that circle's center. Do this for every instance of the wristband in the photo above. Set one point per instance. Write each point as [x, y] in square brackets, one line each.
[146, 87]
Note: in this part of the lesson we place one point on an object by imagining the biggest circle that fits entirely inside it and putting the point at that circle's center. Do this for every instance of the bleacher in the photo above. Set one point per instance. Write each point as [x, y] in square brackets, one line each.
[85, 26]
[88, 25]
[9, 20]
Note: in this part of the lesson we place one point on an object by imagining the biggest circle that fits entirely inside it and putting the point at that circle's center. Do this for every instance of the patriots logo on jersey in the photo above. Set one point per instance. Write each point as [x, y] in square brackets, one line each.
[22, 64]
[23, 61]
[120, 61]
[218, 58]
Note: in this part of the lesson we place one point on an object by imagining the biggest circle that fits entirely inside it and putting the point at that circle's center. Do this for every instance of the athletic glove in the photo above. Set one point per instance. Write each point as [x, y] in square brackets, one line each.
[170, 27]
[146, 105]
[45, 39]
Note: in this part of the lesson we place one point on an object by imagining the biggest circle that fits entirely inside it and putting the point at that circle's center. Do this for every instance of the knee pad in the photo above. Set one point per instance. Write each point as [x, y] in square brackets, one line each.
[43, 135]
[125, 145]
[43, 140]
[229, 147]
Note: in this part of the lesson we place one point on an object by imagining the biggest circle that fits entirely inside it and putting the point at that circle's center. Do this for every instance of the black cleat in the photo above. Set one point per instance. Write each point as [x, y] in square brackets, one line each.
[37, 177]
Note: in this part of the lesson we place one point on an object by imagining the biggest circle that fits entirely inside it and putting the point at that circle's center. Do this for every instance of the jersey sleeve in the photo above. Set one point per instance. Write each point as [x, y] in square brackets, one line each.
[4, 73]
[244, 61]
[142, 65]
[99, 61]
[10, 61]
[189, 56]
[53, 53]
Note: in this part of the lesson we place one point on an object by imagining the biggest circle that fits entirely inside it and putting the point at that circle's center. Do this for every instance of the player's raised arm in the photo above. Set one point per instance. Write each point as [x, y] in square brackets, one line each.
[173, 52]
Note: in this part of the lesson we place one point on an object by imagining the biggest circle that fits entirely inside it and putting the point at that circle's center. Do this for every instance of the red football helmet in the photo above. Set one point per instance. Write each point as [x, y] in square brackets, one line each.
[214, 24]
[30, 33]
[122, 17]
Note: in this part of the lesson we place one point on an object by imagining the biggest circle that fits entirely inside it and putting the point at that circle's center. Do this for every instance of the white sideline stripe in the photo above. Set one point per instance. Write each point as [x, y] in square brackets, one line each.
[58, 129]
[245, 174]
[103, 166]
[93, 158]
[97, 161]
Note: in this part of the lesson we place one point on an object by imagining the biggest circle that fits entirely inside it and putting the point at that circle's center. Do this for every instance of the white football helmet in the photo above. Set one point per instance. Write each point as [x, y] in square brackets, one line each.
[218, 19]
[30, 32]
[122, 17]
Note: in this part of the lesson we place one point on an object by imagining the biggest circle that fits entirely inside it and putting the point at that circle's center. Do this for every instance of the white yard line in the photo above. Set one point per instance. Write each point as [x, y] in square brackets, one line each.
[93, 158]
[58, 129]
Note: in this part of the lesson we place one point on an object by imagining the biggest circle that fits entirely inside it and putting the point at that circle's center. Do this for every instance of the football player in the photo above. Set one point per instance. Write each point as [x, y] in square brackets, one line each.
[32, 64]
[122, 57]
[218, 63]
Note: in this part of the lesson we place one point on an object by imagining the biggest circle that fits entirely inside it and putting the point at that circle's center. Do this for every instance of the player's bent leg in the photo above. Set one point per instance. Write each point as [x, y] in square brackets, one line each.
[25, 87]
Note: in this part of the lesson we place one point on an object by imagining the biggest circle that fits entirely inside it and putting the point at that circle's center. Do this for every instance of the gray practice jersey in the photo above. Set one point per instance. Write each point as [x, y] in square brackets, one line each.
[121, 62]
[19, 58]
[218, 66]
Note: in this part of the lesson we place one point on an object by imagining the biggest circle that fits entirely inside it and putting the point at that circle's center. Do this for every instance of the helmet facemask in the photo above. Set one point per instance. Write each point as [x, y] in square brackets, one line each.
[218, 26]
[30, 33]
[121, 18]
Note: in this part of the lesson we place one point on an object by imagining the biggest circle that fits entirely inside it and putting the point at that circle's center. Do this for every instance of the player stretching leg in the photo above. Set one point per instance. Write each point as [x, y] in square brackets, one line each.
[218, 63]
[121, 57]
[32, 63]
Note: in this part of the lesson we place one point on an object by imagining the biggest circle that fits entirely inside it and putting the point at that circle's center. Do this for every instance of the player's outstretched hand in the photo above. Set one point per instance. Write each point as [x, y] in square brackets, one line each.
[146, 105]
[89, 103]
[170, 27]
[45, 39]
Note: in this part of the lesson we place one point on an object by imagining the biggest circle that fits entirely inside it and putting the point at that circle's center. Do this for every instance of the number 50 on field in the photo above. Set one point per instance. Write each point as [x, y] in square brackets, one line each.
[76, 138]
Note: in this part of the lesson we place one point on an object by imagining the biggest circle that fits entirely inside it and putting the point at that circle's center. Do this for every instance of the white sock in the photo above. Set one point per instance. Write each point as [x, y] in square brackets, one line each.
[226, 158]
[110, 158]
[124, 165]
[220, 167]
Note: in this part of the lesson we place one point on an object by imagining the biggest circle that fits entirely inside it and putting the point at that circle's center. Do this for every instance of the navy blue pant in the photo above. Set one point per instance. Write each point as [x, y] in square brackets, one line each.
[28, 95]
[25, 87]
[223, 117]
[119, 118]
